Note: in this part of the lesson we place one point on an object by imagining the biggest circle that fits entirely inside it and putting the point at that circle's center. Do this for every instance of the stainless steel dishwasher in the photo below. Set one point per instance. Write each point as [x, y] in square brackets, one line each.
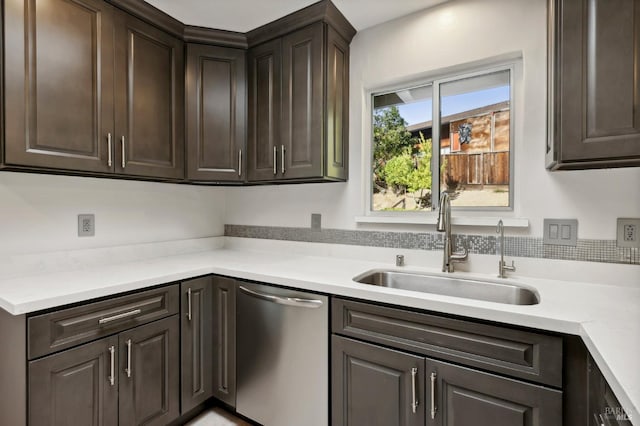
[282, 356]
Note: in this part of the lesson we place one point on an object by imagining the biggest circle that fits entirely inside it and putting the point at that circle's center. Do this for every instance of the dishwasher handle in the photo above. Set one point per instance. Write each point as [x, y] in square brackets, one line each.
[282, 300]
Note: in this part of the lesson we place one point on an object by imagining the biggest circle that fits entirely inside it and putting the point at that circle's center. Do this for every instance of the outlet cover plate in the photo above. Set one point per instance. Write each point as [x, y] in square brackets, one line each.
[628, 232]
[86, 225]
[316, 221]
[561, 232]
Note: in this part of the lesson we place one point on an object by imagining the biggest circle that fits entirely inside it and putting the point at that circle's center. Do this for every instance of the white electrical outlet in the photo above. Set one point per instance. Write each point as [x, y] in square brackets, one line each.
[628, 230]
[86, 225]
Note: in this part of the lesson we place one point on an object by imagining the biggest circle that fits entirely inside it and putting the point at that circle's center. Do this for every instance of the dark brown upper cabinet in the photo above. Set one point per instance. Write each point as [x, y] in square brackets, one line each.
[216, 113]
[59, 84]
[98, 88]
[594, 87]
[149, 118]
[91, 89]
[264, 110]
[299, 103]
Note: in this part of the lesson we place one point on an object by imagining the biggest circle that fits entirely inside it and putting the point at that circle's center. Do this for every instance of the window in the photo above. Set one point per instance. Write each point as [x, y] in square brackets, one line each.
[470, 118]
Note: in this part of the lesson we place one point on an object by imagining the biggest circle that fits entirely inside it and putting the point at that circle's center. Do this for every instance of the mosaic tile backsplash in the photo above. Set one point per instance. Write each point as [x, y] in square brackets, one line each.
[586, 250]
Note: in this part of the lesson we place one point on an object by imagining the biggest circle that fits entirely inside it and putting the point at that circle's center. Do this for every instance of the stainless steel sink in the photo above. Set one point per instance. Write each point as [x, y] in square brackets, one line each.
[500, 292]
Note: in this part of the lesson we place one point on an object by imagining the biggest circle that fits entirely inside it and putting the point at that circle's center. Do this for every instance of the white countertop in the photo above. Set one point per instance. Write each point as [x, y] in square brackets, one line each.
[607, 317]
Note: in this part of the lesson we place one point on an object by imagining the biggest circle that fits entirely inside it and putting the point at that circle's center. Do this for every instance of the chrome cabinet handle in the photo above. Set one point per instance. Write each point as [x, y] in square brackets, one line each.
[414, 404]
[275, 160]
[109, 147]
[119, 316]
[124, 161]
[282, 150]
[189, 303]
[112, 376]
[281, 300]
[434, 409]
[239, 163]
[128, 369]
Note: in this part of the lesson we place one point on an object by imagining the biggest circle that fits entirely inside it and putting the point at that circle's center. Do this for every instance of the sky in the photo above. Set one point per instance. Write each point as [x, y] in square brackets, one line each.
[421, 111]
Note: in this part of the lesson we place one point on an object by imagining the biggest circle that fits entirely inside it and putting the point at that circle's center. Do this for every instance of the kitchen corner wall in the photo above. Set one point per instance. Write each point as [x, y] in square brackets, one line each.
[455, 33]
[38, 213]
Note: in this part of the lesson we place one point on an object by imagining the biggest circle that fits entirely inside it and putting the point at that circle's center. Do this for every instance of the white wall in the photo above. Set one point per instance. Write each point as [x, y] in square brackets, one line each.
[451, 34]
[39, 212]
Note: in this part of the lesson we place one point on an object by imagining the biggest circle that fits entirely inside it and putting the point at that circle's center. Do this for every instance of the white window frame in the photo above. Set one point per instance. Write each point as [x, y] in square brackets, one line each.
[513, 64]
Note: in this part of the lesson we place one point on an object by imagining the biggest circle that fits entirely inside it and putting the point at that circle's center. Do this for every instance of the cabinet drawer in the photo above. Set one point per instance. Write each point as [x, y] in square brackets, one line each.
[522, 354]
[65, 328]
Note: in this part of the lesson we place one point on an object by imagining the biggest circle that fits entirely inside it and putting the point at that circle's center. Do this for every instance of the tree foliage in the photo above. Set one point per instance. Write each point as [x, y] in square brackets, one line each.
[420, 177]
[409, 172]
[397, 171]
[390, 137]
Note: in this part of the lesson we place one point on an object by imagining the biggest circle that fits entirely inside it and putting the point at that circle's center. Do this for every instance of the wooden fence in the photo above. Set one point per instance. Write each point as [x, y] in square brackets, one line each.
[485, 168]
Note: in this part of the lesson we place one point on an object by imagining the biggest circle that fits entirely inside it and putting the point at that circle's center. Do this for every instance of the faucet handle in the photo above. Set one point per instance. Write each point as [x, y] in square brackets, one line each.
[461, 255]
[510, 268]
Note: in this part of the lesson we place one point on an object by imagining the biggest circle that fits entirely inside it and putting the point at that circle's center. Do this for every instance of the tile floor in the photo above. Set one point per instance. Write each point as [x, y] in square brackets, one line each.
[217, 417]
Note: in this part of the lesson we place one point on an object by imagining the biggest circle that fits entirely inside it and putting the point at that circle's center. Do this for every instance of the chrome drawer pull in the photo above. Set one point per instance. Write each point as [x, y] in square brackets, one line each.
[124, 153]
[110, 154]
[112, 376]
[239, 163]
[282, 154]
[189, 304]
[414, 404]
[128, 369]
[119, 316]
[434, 409]
[275, 160]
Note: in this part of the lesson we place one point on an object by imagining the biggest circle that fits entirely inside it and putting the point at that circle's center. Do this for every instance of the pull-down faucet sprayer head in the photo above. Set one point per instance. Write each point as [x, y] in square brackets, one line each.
[442, 211]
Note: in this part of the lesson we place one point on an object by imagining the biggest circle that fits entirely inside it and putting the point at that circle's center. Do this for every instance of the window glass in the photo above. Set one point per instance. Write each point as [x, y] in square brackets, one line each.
[475, 140]
[472, 159]
[402, 150]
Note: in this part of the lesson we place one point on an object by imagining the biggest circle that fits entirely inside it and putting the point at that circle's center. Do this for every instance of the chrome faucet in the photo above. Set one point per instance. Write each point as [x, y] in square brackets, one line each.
[444, 225]
[502, 266]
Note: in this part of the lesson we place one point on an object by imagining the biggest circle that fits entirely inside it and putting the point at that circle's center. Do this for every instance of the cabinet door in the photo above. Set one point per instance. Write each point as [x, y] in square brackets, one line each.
[76, 387]
[375, 386]
[149, 101]
[467, 397]
[149, 373]
[197, 342]
[595, 55]
[58, 84]
[604, 408]
[224, 332]
[301, 153]
[337, 109]
[265, 66]
[216, 119]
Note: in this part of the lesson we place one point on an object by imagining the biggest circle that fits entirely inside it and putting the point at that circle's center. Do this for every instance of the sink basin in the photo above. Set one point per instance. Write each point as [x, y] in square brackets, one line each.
[500, 292]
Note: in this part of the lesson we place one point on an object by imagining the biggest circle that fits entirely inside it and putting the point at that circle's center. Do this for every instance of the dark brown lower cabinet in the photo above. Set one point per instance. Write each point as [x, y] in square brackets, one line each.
[74, 387]
[150, 373]
[224, 339]
[604, 408]
[468, 397]
[127, 379]
[196, 324]
[374, 385]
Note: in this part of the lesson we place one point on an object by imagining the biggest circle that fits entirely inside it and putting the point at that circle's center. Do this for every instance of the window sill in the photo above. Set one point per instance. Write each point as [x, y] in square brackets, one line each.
[509, 222]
